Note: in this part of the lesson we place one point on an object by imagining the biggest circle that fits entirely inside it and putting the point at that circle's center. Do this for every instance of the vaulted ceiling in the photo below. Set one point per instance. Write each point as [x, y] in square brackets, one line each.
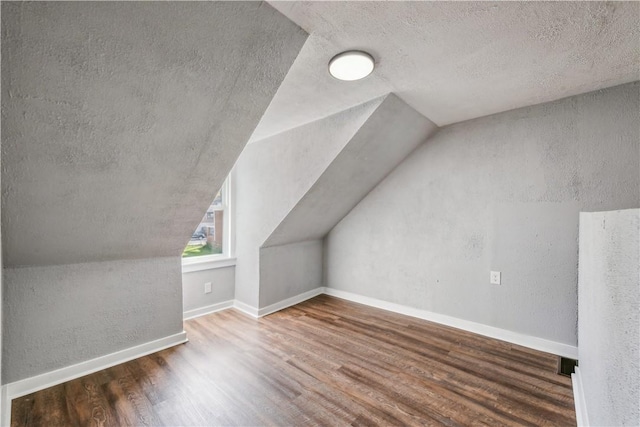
[120, 120]
[453, 61]
[111, 110]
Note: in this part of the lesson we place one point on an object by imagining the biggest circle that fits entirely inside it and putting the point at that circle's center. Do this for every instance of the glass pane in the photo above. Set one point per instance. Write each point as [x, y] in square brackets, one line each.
[207, 238]
[217, 201]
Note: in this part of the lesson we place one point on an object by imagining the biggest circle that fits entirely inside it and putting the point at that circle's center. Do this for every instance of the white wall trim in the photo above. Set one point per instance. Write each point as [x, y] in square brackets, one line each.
[29, 385]
[197, 312]
[245, 308]
[190, 265]
[259, 312]
[579, 400]
[290, 301]
[536, 343]
[48, 379]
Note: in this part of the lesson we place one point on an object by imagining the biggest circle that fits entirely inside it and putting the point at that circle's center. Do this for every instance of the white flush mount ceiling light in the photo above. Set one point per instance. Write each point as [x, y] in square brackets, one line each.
[351, 65]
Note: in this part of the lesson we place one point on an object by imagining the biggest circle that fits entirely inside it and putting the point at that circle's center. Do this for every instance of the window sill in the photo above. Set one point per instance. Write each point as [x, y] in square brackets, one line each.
[189, 265]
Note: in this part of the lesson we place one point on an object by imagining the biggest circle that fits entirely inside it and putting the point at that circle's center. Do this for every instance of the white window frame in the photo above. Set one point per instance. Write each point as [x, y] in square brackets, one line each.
[227, 257]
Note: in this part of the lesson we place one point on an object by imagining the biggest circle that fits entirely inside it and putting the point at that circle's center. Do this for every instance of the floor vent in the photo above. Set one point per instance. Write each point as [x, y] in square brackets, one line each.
[566, 366]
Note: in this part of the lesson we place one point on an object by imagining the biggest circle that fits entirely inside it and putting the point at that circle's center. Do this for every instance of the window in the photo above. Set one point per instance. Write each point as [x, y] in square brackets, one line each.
[211, 240]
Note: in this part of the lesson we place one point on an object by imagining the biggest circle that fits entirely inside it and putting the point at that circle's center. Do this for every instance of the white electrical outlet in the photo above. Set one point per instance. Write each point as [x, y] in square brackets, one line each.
[207, 288]
[494, 277]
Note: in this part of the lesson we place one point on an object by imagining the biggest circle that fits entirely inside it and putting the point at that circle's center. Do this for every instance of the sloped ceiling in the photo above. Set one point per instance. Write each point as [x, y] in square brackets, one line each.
[121, 119]
[272, 176]
[390, 133]
[453, 61]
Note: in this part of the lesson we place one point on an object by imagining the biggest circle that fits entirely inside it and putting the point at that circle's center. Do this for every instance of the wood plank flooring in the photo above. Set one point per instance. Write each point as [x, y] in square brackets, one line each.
[323, 362]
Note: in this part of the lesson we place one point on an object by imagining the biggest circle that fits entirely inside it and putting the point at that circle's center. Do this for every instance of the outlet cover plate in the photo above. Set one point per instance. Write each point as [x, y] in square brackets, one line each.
[207, 288]
[494, 278]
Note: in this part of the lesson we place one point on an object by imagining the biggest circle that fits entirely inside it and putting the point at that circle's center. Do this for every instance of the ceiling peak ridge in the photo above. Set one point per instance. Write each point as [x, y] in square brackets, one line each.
[387, 136]
[372, 103]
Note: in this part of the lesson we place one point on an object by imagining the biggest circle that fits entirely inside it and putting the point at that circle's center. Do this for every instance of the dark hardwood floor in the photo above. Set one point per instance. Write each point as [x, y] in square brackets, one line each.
[323, 362]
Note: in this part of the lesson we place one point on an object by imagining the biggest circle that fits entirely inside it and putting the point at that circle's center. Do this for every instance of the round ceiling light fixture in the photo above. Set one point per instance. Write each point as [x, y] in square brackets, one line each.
[351, 65]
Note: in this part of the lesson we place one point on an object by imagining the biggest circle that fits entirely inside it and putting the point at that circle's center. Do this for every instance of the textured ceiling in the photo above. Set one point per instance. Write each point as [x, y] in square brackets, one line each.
[454, 61]
[121, 120]
[390, 133]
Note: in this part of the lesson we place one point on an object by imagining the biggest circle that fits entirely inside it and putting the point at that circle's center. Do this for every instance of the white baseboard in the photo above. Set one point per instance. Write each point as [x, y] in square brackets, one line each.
[578, 399]
[535, 343]
[29, 385]
[197, 312]
[39, 382]
[246, 308]
[290, 301]
[259, 312]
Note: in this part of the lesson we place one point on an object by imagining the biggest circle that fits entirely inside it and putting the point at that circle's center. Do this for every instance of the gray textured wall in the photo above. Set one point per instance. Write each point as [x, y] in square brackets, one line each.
[121, 120]
[609, 316]
[289, 270]
[270, 178]
[55, 316]
[389, 134]
[496, 193]
[119, 123]
[223, 282]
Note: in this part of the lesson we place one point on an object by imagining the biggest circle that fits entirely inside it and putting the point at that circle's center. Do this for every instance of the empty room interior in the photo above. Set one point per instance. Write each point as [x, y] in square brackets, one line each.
[320, 213]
